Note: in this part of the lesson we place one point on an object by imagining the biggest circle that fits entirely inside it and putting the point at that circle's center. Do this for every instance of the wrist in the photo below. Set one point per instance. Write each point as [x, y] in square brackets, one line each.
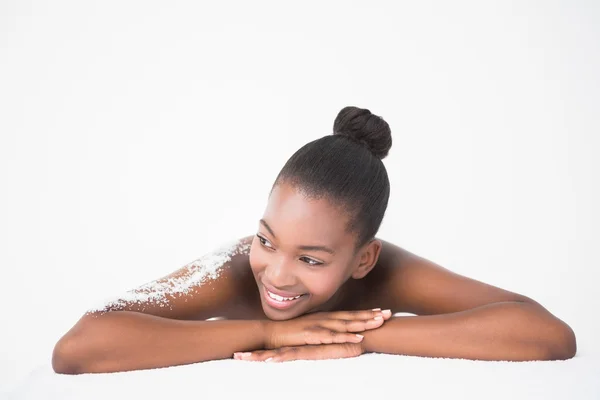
[364, 344]
[371, 336]
[265, 333]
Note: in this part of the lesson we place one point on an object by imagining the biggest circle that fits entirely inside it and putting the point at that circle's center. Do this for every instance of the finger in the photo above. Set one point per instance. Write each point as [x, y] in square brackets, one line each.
[297, 353]
[360, 315]
[345, 325]
[259, 355]
[345, 350]
[318, 352]
[329, 335]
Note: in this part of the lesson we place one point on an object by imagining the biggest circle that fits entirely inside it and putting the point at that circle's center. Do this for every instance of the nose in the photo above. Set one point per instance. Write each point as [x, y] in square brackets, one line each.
[280, 274]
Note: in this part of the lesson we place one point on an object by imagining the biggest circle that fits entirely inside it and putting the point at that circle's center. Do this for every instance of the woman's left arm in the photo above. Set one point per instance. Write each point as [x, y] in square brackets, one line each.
[512, 330]
[459, 317]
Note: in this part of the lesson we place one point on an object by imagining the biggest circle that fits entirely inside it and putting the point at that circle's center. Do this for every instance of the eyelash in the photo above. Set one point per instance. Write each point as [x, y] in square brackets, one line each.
[316, 264]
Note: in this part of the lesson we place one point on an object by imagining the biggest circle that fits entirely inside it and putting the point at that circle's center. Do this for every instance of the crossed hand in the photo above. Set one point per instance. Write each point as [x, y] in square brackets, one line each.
[317, 336]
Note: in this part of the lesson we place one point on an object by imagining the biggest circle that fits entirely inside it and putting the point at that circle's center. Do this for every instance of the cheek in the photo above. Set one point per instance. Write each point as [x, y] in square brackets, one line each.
[322, 283]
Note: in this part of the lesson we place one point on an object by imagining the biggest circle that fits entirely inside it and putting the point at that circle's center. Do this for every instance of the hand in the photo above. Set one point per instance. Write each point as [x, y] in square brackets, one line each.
[323, 328]
[310, 352]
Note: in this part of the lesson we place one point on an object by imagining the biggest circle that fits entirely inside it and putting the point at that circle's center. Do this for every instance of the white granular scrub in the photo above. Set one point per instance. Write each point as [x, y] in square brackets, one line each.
[159, 292]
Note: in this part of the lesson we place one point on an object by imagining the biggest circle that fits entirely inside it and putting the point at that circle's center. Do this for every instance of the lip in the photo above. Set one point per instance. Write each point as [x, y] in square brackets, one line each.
[280, 305]
[280, 292]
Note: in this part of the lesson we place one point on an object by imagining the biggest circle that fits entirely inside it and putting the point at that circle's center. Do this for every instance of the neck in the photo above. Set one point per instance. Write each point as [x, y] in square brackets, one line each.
[342, 299]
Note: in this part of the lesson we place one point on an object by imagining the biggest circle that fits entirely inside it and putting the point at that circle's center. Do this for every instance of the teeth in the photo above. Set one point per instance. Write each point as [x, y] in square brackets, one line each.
[280, 298]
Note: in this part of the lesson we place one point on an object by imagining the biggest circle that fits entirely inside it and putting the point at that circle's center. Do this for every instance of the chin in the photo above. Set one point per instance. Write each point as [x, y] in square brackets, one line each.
[274, 317]
[280, 315]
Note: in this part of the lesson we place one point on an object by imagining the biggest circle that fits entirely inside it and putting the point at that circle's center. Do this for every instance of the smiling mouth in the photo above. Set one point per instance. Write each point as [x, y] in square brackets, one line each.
[280, 302]
[280, 298]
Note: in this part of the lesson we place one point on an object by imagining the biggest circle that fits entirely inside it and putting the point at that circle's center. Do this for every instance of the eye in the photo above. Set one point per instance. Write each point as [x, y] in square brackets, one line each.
[311, 262]
[264, 242]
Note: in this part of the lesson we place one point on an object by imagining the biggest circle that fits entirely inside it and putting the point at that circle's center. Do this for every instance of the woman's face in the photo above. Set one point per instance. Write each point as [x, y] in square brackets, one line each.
[301, 254]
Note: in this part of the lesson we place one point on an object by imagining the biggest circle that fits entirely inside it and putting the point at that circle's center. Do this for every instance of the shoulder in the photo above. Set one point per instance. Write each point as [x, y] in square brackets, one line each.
[392, 255]
[222, 279]
[413, 284]
[232, 260]
[377, 288]
[235, 284]
[206, 287]
[391, 260]
[224, 261]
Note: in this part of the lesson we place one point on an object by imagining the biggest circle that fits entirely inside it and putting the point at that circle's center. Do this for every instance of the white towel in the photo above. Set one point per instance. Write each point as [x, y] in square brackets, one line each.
[370, 376]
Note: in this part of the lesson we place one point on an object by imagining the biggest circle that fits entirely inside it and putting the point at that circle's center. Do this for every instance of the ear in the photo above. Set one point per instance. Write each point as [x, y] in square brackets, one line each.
[369, 255]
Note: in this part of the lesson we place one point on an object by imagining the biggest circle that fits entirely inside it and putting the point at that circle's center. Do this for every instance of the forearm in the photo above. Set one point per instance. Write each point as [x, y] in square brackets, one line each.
[500, 331]
[124, 341]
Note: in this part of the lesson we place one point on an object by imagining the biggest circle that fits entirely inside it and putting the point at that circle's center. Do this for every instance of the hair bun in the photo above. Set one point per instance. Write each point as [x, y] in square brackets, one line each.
[361, 126]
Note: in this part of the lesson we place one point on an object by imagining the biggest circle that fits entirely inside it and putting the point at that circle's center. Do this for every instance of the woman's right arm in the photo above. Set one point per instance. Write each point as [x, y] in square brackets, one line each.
[127, 340]
[156, 325]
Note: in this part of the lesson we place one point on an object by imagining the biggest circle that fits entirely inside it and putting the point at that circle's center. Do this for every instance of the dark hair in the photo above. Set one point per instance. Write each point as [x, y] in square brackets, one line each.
[346, 169]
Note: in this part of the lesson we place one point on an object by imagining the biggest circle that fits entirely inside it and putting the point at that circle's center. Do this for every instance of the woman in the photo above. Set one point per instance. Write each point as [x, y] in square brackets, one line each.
[315, 283]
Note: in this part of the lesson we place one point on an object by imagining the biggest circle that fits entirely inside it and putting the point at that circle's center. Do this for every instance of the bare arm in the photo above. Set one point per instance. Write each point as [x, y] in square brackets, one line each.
[460, 317]
[515, 331]
[127, 340]
[163, 323]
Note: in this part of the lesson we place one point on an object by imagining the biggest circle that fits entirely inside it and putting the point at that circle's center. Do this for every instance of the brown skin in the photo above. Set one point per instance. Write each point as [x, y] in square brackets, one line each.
[291, 221]
[455, 316]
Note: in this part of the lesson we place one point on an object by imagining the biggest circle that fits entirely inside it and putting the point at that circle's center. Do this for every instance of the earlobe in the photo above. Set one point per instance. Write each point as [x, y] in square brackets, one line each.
[368, 259]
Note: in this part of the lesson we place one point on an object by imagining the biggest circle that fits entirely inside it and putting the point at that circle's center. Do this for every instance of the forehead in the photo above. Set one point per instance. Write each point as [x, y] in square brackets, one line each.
[294, 216]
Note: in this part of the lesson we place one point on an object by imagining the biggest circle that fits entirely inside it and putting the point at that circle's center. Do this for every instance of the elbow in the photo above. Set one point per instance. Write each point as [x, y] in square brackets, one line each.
[71, 354]
[71, 350]
[560, 342]
[63, 358]
[564, 343]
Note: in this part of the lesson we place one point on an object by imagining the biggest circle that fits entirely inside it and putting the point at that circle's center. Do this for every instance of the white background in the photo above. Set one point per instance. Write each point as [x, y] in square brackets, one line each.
[137, 135]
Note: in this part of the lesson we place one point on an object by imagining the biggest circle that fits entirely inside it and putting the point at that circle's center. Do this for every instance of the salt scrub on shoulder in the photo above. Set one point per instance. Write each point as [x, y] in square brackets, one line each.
[159, 292]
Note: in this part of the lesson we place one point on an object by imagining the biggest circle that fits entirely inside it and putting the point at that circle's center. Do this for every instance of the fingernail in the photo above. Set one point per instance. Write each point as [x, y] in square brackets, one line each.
[270, 359]
[376, 309]
[360, 336]
[244, 355]
[378, 318]
[387, 312]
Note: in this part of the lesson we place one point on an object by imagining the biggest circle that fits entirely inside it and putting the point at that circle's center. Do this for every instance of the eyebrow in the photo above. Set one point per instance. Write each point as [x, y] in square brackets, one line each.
[303, 247]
